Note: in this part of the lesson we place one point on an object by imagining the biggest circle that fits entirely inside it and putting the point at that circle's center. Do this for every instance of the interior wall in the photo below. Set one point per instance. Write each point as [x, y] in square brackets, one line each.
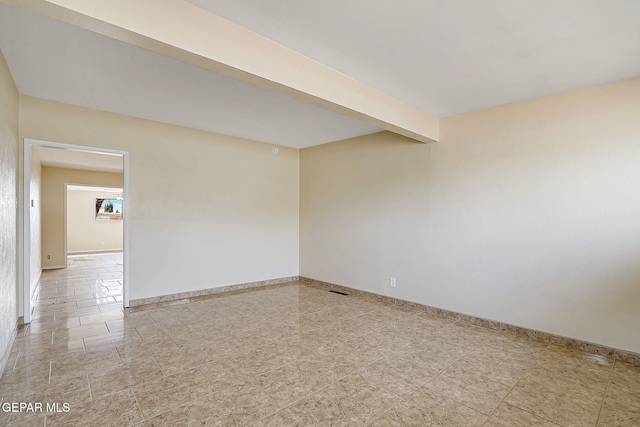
[205, 210]
[34, 223]
[8, 207]
[84, 233]
[527, 214]
[53, 193]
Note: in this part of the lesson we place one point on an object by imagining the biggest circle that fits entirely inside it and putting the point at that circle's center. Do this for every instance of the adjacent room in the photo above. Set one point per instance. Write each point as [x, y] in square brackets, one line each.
[320, 213]
[94, 219]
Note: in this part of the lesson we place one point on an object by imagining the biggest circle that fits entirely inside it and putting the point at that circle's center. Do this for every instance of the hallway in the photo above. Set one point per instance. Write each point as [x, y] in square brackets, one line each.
[74, 311]
[87, 292]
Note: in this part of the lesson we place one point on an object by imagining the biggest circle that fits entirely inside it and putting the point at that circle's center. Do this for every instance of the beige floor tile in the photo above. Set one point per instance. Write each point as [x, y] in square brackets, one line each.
[143, 349]
[292, 355]
[292, 382]
[173, 418]
[72, 390]
[383, 342]
[61, 342]
[427, 408]
[564, 400]
[21, 419]
[121, 325]
[31, 376]
[438, 356]
[48, 316]
[112, 339]
[320, 339]
[480, 367]
[345, 361]
[239, 404]
[619, 417]
[33, 355]
[509, 354]
[508, 341]
[563, 362]
[351, 401]
[119, 409]
[283, 351]
[154, 333]
[96, 362]
[169, 392]
[540, 379]
[510, 416]
[67, 323]
[31, 341]
[309, 323]
[399, 372]
[172, 362]
[102, 317]
[350, 310]
[95, 301]
[123, 377]
[226, 372]
[465, 335]
[626, 376]
[284, 417]
[390, 314]
[82, 297]
[183, 336]
[72, 315]
[355, 327]
[40, 300]
[419, 327]
[139, 319]
[361, 351]
[12, 359]
[476, 392]
[111, 306]
[621, 405]
[53, 307]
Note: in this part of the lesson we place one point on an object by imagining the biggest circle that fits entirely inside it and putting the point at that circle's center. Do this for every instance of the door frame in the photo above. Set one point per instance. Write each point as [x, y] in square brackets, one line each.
[26, 216]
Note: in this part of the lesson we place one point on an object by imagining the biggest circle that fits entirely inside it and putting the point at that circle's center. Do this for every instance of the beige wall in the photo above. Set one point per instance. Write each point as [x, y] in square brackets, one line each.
[8, 200]
[34, 222]
[527, 214]
[233, 205]
[53, 189]
[84, 233]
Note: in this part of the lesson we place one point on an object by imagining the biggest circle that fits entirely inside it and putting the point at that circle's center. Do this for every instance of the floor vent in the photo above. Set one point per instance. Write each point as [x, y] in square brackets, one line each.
[338, 292]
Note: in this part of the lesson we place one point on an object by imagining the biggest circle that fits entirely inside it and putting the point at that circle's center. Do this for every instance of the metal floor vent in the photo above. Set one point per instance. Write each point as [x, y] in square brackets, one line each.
[338, 292]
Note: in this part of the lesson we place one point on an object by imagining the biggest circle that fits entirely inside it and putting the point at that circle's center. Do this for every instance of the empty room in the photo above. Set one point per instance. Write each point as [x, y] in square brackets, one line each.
[277, 213]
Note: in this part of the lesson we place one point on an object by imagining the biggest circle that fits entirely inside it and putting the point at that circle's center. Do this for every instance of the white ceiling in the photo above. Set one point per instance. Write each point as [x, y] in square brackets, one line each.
[56, 61]
[448, 57]
[444, 57]
[78, 159]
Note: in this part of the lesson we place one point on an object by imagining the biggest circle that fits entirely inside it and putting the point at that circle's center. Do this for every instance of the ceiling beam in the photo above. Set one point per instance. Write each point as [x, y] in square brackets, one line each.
[183, 31]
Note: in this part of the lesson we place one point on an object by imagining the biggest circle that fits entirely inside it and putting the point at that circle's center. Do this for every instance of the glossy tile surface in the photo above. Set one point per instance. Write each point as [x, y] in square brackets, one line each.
[290, 355]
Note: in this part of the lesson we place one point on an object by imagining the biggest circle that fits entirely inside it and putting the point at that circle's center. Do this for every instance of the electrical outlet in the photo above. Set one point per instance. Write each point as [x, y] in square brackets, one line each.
[392, 282]
[48, 256]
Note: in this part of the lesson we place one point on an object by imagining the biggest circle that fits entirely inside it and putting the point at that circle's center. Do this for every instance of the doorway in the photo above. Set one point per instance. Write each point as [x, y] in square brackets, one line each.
[93, 219]
[29, 205]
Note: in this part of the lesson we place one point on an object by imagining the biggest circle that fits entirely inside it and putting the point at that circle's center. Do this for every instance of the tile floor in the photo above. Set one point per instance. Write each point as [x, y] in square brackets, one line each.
[291, 355]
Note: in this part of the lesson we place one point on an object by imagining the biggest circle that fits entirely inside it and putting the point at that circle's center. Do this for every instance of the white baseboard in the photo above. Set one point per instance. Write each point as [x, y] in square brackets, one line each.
[102, 251]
